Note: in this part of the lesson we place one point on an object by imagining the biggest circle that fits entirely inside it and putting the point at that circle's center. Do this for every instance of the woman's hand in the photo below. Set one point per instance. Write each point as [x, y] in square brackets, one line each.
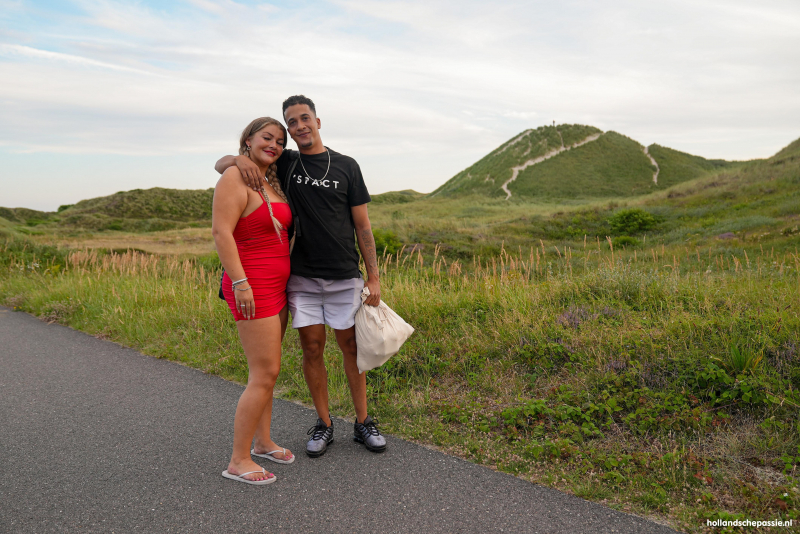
[245, 303]
[250, 172]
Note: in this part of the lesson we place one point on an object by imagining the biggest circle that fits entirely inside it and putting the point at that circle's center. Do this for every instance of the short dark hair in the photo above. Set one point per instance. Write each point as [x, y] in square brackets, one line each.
[298, 99]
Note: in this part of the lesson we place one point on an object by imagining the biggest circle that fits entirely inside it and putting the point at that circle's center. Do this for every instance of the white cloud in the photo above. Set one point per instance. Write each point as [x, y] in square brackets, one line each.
[26, 51]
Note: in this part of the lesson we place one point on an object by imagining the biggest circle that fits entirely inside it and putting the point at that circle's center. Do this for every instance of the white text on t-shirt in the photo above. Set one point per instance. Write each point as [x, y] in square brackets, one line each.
[319, 183]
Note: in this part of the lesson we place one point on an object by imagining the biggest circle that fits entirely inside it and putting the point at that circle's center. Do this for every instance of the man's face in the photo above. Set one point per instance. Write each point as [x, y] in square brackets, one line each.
[303, 125]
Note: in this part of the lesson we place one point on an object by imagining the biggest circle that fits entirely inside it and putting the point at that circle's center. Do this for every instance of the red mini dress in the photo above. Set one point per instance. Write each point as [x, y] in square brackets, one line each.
[265, 259]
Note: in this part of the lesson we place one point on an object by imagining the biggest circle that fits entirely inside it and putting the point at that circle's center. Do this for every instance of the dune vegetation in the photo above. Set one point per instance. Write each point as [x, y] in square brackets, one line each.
[639, 351]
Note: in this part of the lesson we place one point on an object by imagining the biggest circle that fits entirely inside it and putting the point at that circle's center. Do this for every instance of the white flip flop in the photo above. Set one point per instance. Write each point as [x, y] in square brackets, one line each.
[240, 478]
[268, 456]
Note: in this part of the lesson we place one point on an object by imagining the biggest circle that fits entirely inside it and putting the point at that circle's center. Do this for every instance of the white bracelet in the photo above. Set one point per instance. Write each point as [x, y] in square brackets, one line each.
[236, 283]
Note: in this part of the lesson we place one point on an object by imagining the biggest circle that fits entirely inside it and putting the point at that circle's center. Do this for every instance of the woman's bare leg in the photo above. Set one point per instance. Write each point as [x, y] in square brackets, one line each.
[261, 340]
[263, 443]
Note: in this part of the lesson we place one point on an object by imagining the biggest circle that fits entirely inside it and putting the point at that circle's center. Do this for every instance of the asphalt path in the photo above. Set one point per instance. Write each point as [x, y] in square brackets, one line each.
[95, 437]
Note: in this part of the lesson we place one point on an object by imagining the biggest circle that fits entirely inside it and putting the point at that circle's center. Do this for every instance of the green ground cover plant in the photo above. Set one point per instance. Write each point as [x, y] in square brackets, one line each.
[607, 373]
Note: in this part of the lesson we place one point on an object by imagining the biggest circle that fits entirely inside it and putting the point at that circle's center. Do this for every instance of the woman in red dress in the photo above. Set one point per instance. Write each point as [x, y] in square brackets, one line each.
[250, 232]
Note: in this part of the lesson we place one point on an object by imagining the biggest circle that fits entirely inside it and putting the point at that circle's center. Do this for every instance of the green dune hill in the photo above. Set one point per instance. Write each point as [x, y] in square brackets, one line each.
[486, 177]
[611, 166]
[138, 210]
[167, 204]
[14, 221]
[676, 167]
[791, 151]
[577, 162]
[141, 210]
[397, 197]
[758, 199]
[23, 215]
[760, 196]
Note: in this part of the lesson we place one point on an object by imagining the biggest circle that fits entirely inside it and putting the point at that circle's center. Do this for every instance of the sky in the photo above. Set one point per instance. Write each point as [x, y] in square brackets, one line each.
[100, 96]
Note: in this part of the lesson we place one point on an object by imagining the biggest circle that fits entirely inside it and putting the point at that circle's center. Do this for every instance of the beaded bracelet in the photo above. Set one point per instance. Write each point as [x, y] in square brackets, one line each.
[236, 283]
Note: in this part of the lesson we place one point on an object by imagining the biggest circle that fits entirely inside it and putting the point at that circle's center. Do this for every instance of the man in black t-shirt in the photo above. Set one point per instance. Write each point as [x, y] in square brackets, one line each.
[328, 197]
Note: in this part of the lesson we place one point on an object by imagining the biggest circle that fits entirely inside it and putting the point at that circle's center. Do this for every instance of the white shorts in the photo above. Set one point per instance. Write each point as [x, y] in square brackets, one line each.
[319, 301]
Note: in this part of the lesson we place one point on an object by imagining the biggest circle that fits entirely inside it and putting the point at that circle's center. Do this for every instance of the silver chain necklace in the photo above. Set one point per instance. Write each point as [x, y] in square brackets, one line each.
[326, 170]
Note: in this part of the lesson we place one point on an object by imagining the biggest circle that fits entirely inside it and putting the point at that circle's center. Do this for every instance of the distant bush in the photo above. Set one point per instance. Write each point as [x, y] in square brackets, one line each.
[625, 241]
[386, 241]
[64, 206]
[631, 221]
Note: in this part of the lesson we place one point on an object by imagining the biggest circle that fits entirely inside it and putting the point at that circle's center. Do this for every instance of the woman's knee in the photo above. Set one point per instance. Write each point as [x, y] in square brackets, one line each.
[264, 379]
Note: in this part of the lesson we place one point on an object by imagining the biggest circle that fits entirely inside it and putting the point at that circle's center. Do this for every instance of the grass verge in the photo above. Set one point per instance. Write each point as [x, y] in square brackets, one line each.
[650, 382]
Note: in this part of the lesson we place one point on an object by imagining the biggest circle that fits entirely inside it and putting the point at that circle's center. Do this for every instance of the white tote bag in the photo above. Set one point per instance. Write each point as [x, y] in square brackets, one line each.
[380, 333]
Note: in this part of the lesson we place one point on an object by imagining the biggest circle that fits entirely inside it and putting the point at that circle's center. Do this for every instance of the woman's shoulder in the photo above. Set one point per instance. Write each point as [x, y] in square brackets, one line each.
[231, 178]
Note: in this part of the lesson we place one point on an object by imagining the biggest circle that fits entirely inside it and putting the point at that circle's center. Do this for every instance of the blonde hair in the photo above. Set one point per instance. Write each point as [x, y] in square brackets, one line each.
[253, 128]
[272, 172]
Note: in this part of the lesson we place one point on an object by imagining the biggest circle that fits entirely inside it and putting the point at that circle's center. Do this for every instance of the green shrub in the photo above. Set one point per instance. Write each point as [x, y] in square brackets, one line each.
[631, 221]
[386, 241]
[625, 241]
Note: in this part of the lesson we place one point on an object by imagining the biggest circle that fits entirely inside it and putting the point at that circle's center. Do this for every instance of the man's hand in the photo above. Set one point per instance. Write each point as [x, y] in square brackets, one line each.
[250, 172]
[247, 169]
[374, 287]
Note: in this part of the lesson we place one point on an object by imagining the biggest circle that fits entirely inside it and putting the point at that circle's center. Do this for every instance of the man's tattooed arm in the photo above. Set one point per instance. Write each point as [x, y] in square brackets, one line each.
[366, 244]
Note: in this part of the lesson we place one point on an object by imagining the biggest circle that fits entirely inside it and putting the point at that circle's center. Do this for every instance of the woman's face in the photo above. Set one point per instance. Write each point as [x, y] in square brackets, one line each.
[266, 145]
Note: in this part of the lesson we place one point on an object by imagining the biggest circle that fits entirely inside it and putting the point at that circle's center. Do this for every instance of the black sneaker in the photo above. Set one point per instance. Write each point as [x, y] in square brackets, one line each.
[321, 437]
[368, 434]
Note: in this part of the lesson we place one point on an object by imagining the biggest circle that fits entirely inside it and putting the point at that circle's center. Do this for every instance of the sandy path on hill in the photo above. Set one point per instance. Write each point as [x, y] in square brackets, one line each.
[653, 161]
[514, 141]
[516, 170]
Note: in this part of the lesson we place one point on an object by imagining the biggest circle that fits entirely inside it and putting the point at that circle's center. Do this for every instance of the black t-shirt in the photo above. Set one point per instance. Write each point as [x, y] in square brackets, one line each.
[326, 247]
